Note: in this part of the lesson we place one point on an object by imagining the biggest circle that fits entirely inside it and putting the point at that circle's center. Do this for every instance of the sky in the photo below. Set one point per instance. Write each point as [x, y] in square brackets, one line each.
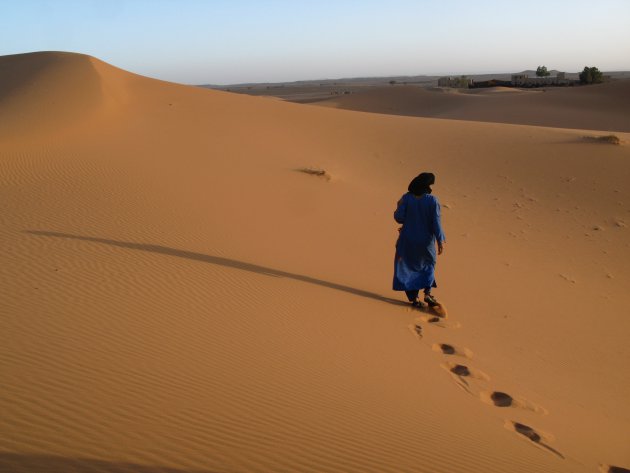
[238, 41]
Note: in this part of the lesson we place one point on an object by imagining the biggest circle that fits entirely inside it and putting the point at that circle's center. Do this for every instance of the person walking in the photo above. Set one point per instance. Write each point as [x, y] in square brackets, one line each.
[419, 213]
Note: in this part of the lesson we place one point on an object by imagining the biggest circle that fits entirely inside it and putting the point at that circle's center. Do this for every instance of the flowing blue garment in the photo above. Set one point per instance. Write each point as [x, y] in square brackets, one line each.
[414, 267]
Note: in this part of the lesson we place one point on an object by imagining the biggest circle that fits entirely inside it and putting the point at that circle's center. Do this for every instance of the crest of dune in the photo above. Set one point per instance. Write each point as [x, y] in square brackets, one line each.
[42, 92]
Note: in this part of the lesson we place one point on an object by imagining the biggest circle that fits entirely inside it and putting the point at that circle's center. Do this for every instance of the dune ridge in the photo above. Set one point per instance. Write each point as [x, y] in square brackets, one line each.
[177, 298]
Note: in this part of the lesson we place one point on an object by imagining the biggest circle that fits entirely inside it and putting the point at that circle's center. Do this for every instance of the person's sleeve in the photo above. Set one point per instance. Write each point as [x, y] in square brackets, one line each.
[401, 209]
[437, 223]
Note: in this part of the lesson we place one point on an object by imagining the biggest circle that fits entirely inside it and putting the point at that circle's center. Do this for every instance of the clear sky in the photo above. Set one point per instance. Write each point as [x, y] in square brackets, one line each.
[230, 41]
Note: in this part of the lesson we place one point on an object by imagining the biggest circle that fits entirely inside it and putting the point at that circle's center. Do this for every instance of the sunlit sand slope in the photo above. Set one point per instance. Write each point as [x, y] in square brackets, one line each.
[176, 297]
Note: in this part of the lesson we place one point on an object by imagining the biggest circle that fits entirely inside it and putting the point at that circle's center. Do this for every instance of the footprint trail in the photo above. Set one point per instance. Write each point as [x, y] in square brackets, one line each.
[468, 378]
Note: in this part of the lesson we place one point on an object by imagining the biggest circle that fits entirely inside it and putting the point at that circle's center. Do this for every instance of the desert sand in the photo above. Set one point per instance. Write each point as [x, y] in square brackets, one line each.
[595, 107]
[177, 297]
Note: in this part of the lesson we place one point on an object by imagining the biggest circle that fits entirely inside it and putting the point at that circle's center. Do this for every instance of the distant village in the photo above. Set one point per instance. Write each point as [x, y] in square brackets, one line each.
[520, 80]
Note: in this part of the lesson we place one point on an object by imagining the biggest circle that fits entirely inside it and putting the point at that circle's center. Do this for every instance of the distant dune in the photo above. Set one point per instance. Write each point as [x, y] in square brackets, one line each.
[193, 281]
[596, 107]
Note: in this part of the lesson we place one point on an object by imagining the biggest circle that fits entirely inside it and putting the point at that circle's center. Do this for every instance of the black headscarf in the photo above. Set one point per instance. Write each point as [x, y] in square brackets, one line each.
[420, 184]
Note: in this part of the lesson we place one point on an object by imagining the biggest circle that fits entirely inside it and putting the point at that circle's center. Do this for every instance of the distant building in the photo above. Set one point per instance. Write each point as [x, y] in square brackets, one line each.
[523, 80]
[518, 79]
[461, 82]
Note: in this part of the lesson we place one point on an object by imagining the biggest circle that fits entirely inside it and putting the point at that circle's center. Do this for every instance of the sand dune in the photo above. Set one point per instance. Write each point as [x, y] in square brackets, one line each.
[597, 107]
[177, 297]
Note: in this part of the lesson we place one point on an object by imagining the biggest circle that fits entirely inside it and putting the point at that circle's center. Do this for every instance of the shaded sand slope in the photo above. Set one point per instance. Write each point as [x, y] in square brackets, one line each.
[176, 297]
[597, 107]
[47, 92]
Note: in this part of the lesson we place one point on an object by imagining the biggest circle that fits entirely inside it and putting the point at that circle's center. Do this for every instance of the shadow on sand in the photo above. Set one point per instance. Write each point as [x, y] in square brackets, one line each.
[22, 463]
[226, 262]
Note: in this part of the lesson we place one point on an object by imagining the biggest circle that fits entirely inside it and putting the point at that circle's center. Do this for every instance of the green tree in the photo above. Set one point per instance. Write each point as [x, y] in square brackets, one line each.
[591, 75]
[541, 71]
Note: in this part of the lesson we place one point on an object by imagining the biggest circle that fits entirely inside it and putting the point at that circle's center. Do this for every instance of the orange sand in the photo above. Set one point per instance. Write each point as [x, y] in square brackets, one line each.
[597, 107]
[175, 297]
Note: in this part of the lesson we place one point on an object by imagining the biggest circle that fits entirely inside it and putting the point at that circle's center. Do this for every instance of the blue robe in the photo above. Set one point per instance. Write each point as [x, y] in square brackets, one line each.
[414, 267]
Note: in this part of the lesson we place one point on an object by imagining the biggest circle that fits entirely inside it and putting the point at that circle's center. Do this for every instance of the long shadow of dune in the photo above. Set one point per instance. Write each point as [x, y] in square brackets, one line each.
[221, 261]
[22, 463]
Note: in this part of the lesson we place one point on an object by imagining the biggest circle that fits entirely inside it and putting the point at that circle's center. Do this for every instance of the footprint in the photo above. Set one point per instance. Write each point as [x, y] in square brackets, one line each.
[435, 311]
[447, 349]
[538, 438]
[460, 370]
[464, 371]
[612, 469]
[501, 399]
[438, 321]
[416, 329]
